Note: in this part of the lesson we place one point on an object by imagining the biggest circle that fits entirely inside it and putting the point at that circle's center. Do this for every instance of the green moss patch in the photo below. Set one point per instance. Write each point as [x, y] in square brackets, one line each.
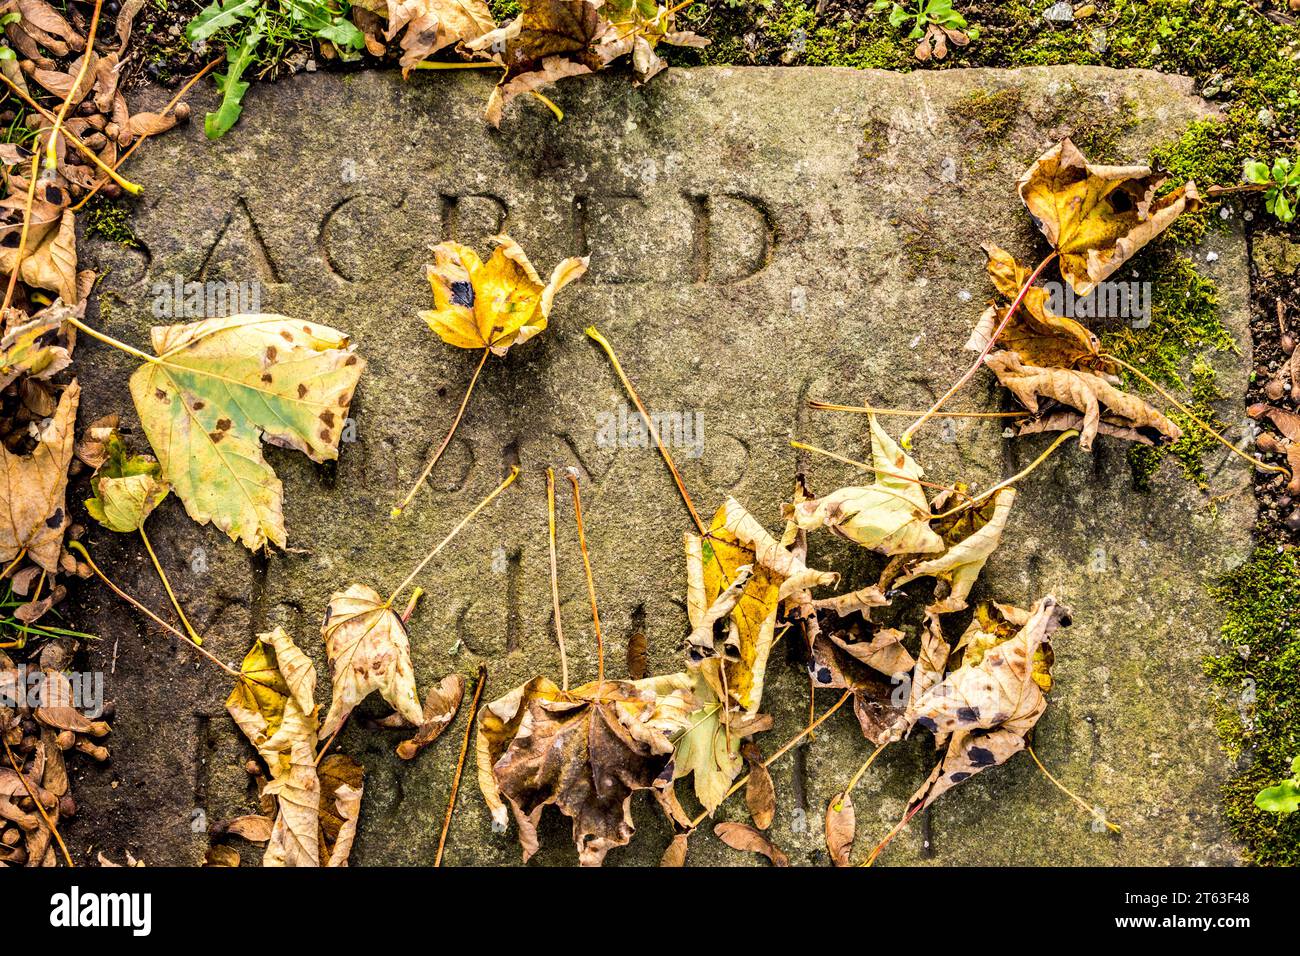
[1259, 712]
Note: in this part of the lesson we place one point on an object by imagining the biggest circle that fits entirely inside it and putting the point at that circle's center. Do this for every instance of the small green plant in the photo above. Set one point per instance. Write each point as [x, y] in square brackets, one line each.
[262, 32]
[934, 23]
[15, 632]
[1281, 185]
[926, 12]
[1285, 796]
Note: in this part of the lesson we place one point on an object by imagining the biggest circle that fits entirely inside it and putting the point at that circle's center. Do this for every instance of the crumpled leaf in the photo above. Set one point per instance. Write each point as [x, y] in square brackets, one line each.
[971, 535]
[39, 348]
[492, 305]
[890, 516]
[431, 25]
[368, 650]
[1035, 333]
[741, 836]
[126, 487]
[1081, 390]
[1097, 217]
[986, 708]
[342, 784]
[850, 653]
[440, 706]
[841, 826]
[586, 751]
[49, 259]
[273, 702]
[222, 387]
[736, 665]
[710, 746]
[552, 39]
[295, 840]
[33, 515]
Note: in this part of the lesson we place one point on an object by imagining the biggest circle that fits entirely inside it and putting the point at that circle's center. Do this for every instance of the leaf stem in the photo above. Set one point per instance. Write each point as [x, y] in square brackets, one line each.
[162, 576]
[51, 153]
[416, 594]
[80, 548]
[1262, 466]
[514, 473]
[13, 564]
[591, 584]
[550, 104]
[907, 817]
[872, 410]
[906, 439]
[865, 467]
[109, 340]
[22, 777]
[600, 340]
[780, 753]
[450, 65]
[1008, 482]
[22, 236]
[555, 578]
[1091, 811]
[853, 782]
[460, 762]
[446, 441]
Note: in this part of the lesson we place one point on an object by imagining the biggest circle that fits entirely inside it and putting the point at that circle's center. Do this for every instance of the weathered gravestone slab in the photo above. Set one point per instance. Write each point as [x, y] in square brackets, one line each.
[758, 237]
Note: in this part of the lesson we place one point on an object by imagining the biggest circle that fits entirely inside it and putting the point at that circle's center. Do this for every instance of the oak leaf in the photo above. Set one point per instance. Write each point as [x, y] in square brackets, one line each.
[1097, 217]
[890, 516]
[368, 650]
[491, 305]
[1081, 390]
[221, 387]
[33, 487]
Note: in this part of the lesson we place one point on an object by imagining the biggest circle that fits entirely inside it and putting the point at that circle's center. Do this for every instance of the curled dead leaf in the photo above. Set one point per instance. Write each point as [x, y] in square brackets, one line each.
[741, 836]
[841, 826]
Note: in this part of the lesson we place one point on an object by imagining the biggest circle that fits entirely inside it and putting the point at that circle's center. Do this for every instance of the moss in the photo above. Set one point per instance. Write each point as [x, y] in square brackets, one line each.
[1195, 441]
[1259, 714]
[1184, 319]
[992, 111]
[1098, 131]
[111, 220]
[504, 10]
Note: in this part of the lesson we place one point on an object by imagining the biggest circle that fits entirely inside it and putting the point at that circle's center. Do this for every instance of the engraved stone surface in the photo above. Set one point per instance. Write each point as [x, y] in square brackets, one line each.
[758, 237]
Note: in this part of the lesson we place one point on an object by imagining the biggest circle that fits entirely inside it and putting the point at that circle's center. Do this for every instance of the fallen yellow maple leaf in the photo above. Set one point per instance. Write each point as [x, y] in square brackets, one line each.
[1097, 217]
